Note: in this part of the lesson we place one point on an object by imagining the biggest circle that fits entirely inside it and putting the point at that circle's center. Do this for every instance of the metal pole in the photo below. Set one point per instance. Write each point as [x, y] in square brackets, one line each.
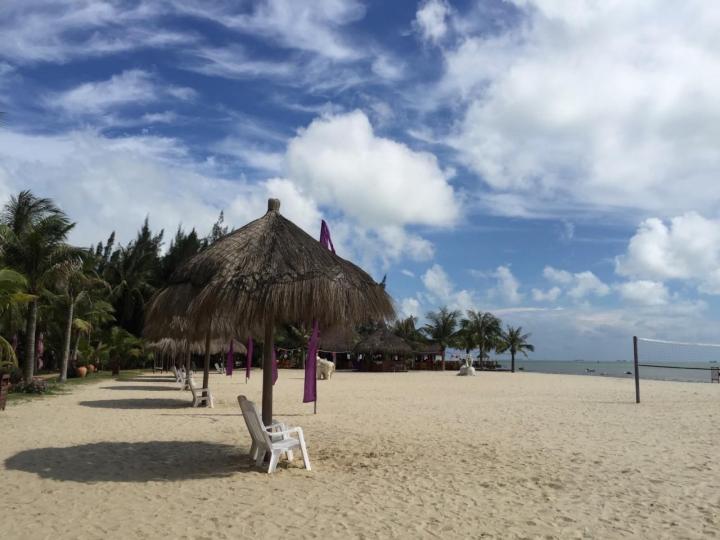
[206, 366]
[637, 372]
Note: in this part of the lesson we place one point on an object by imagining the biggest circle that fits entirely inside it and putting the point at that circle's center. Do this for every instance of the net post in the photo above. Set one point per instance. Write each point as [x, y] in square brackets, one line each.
[637, 372]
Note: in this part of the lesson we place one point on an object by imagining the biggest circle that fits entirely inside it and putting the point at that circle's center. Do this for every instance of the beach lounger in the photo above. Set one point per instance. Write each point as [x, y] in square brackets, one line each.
[715, 375]
[275, 439]
[219, 369]
[197, 394]
[179, 377]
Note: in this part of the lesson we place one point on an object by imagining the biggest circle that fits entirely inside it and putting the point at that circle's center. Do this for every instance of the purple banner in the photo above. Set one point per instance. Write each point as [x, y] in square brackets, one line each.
[311, 367]
[325, 239]
[230, 362]
[248, 362]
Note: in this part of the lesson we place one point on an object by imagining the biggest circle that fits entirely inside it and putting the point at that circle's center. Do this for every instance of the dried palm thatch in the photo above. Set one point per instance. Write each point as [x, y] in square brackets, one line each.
[338, 339]
[383, 341]
[178, 348]
[269, 271]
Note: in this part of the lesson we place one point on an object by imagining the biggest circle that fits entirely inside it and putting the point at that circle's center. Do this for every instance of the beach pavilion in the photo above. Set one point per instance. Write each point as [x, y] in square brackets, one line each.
[383, 351]
[267, 273]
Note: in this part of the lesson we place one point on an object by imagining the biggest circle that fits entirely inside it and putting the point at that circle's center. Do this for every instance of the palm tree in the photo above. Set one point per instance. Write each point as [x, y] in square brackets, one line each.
[34, 237]
[76, 279]
[485, 330]
[122, 344]
[407, 329]
[442, 328]
[12, 285]
[514, 341]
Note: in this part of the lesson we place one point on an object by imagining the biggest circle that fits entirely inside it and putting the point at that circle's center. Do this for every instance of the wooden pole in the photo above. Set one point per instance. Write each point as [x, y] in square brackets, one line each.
[188, 362]
[637, 371]
[267, 397]
[206, 367]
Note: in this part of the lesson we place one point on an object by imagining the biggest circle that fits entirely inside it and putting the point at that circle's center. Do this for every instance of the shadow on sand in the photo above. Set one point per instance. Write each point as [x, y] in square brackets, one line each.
[149, 379]
[138, 403]
[132, 462]
[149, 388]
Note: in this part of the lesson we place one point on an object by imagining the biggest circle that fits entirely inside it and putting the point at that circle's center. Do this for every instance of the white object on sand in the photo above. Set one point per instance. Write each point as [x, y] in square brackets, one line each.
[325, 369]
[266, 440]
[467, 371]
[198, 397]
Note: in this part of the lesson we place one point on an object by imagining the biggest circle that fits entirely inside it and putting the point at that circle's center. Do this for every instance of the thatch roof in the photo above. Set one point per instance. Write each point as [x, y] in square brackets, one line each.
[270, 270]
[384, 341]
[421, 347]
[176, 347]
[338, 339]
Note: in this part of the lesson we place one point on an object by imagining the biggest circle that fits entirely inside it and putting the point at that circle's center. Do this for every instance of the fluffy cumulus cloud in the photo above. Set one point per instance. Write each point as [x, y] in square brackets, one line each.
[431, 19]
[441, 291]
[593, 105]
[410, 307]
[577, 286]
[341, 162]
[685, 248]
[507, 287]
[645, 292]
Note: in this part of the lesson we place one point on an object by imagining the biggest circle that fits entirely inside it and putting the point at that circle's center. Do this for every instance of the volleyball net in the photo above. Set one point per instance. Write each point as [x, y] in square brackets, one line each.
[697, 361]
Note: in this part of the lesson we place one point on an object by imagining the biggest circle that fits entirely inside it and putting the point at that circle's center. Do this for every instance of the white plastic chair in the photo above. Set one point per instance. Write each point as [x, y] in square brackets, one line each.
[219, 369]
[275, 439]
[197, 394]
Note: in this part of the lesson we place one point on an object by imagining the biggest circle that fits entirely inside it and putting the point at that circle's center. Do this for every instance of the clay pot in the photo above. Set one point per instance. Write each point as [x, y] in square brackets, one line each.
[81, 371]
[91, 368]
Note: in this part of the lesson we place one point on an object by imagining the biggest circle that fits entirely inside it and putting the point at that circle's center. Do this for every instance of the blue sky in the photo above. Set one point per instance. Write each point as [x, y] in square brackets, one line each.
[552, 161]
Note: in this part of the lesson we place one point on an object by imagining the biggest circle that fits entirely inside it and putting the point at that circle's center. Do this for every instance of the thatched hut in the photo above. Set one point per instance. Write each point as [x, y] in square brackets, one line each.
[266, 273]
[383, 351]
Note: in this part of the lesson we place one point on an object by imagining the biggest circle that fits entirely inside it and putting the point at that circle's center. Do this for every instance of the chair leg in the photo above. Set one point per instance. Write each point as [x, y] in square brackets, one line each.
[253, 451]
[274, 458]
[303, 449]
[260, 457]
[290, 456]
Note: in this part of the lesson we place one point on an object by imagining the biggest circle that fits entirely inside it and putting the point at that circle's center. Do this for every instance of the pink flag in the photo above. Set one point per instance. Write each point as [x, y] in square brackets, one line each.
[248, 362]
[311, 367]
[230, 362]
[274, 367]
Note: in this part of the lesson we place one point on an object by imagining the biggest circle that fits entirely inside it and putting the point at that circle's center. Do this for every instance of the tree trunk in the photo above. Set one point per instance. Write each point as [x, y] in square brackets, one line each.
[206, 366]
[267, 397]
[31, 324]
[443, 359]
[512, 361]
[66, 342]
[116, 366]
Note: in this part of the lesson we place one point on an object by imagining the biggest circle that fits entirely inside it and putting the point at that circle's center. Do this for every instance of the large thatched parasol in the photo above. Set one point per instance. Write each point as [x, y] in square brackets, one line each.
[383, 341]
[266, 273]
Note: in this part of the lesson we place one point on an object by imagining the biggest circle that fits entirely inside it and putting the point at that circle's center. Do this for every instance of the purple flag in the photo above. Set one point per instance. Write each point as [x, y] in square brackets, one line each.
[311, 367]
[39, 351]
[248, 362]
[325, 239]
[230, 362]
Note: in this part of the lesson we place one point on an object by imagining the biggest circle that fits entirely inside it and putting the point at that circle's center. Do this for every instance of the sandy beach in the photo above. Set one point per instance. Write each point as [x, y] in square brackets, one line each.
[407, 455]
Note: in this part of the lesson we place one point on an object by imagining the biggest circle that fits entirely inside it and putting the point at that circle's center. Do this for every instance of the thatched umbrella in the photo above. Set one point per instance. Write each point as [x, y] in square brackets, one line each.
[384, 341]
[268, 272]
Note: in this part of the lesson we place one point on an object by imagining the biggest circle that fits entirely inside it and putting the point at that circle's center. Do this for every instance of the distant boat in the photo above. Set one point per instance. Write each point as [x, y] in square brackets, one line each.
[589, 370]
[628, 373]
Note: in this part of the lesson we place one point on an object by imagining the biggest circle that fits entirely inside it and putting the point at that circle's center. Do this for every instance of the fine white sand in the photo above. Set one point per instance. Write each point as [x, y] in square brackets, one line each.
[406, 455]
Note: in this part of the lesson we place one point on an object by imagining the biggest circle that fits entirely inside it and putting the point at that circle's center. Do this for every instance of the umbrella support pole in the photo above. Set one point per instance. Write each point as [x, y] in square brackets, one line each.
[267, 397]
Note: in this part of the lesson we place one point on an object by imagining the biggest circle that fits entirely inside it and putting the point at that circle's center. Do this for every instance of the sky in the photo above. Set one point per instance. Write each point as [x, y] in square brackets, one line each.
[554, 162]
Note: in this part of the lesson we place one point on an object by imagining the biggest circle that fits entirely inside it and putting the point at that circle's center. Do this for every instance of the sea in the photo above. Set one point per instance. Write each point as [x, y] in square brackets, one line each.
[618, 368]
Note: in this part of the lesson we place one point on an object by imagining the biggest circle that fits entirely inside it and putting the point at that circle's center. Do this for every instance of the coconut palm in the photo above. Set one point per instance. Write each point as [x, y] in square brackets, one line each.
[34, 242]
[76, 280]
[514, 341]
[407, 329]
[485, 329]
[442, 328]
[12, 285]
[122, 345]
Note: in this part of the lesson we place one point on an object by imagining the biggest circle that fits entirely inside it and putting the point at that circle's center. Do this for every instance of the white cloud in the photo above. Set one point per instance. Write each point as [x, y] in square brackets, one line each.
[687, 248]
[431, 19]
[578, 285]
[315, 27]
[441, 290]
[593, 105]
[127, 88]
[410, 307]
[508, 287]
[342, 163]
[407, 273]
[388, 68]
[232, 62]
[165, 117]
[60, 30]
[649, 293]
[586, 284]
[551, 295]
[557, 276]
